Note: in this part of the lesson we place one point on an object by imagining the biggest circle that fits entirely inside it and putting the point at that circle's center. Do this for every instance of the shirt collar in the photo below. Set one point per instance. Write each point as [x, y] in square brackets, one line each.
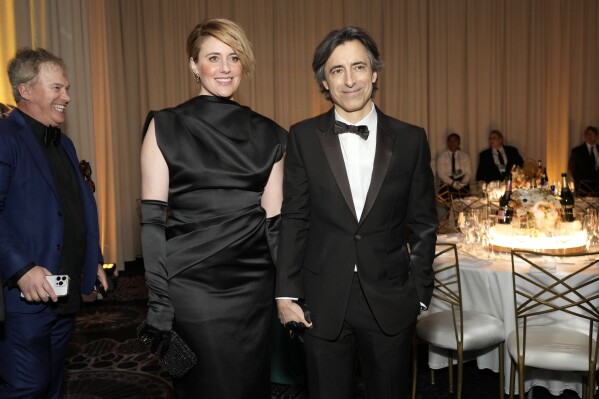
[36, 126]
[368, 120]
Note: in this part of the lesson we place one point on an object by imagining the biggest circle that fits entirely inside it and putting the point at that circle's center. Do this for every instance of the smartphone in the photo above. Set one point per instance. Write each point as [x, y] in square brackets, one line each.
[60, 284]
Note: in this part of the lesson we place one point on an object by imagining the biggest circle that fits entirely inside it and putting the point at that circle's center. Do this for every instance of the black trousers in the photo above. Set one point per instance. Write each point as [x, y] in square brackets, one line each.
[384, 359]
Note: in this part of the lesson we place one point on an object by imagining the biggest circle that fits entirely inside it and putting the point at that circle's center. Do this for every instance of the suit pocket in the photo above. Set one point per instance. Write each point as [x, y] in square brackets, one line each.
[396, 175]
[399, 266]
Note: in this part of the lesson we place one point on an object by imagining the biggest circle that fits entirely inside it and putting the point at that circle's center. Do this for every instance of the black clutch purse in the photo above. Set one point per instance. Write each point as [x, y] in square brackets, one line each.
[170, 349]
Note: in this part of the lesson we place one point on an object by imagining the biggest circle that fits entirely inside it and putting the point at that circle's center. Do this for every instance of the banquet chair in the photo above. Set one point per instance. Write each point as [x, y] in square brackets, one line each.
[540, 299]
[586, 198]
[587, 188]
[445, 214]
[455, 329]
[465, 203]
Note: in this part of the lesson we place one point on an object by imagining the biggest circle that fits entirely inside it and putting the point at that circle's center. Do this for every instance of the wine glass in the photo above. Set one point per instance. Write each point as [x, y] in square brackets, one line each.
[590, 225]
[562, 235]
[468, 229]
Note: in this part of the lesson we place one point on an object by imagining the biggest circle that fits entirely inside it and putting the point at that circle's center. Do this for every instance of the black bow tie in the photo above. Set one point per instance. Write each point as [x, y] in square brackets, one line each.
[361, 130]
[52, 134]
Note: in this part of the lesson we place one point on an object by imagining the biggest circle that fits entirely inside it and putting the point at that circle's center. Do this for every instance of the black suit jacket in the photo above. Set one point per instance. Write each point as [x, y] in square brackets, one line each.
[488, 171]
[2, 305]
[322, 240]
[582, 168]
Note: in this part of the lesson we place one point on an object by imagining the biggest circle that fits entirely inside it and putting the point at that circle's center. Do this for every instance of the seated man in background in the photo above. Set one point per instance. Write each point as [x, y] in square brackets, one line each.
[494, 162]
[584, 160]
[453, 168]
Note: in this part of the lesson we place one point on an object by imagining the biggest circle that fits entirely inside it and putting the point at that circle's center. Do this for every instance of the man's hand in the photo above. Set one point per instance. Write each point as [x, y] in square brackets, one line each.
[291, 311]
[35, 287]
[103, 278]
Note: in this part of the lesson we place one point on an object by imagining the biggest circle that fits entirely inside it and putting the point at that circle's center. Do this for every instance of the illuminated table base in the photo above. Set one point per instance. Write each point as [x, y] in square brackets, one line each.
[506, 238]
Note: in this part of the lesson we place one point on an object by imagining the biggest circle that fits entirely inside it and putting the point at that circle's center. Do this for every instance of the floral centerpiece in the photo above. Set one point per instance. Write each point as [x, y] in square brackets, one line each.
[534, 208]
[537, 222]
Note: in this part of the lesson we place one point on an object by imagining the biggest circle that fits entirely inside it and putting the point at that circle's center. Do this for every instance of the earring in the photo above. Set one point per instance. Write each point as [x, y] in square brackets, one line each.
[197, 78]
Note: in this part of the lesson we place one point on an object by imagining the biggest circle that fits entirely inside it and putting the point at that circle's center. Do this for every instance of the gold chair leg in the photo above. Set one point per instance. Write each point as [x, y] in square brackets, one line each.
[460, 372]
[512, 377]
[521, 391]
[433, 379]
[592, 379]
[501, 371]
[450, 370]
[414, 366]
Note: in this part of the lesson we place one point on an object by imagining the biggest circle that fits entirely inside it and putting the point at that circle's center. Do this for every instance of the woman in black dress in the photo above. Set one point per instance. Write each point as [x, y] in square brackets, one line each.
[217, 167]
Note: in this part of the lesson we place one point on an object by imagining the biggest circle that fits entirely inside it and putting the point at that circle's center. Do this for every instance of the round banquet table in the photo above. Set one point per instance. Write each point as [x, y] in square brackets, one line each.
[487, 288]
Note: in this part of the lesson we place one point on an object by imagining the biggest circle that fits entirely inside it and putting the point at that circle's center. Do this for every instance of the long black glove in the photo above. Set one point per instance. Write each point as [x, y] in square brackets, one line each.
[156, 332]
[170, 349]
[153, 241]
[273, 228]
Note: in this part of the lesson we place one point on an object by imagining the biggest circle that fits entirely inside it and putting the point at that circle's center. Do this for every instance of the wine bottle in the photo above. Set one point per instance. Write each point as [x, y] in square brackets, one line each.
[505, 211]
[544, 178]
[567, 201]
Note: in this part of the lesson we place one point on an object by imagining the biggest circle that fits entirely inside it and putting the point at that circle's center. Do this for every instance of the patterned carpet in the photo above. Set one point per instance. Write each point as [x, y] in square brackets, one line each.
[107, 361]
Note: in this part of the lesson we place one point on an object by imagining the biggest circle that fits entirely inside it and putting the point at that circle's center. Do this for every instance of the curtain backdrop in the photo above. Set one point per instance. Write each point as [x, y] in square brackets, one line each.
[525, 67]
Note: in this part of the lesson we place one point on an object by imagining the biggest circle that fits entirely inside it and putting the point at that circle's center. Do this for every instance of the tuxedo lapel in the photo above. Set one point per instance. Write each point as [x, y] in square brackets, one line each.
[382, 159]
[332, 150]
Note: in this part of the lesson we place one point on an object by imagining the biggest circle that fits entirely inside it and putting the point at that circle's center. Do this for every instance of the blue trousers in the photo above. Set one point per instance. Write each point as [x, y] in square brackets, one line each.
[33, 348]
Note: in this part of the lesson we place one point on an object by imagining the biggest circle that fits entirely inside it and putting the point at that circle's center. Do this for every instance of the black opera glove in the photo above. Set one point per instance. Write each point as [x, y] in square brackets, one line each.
[170, 349]
[273, 228]
[153, 240]
[297, 329]
[158, 341]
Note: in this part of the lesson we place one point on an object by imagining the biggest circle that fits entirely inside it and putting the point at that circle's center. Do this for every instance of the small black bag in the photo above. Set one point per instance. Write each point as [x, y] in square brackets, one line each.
[170, 349]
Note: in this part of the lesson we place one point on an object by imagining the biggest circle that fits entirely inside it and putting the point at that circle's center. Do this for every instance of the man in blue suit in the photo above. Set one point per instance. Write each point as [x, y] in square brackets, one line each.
[48, 226]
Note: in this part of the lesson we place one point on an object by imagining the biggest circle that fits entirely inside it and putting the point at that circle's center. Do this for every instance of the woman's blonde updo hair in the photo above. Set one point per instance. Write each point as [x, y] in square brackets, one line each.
[227, 32]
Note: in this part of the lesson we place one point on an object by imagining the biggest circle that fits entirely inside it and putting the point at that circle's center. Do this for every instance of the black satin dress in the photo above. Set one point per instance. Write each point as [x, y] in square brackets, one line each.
[221, 273]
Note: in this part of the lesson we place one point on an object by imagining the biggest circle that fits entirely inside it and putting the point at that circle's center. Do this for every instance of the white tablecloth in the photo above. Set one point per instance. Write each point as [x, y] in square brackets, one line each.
[487, 288]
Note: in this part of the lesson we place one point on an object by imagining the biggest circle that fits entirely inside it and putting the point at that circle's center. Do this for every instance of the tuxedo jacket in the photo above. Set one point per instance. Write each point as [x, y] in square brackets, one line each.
[31, 222]
[322, 241]
[488, 171]
[582, 166]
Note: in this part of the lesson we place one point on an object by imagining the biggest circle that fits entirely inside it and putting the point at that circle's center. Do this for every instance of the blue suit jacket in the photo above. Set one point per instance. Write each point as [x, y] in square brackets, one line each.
[31, 222]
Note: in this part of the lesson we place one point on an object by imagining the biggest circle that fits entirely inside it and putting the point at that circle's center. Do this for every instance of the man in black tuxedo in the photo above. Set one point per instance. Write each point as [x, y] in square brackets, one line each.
[358, 228]
[494, 162]
[583, 164]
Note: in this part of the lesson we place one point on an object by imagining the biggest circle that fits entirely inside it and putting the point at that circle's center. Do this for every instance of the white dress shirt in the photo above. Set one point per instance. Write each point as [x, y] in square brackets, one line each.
[462, 162]
[358, 156]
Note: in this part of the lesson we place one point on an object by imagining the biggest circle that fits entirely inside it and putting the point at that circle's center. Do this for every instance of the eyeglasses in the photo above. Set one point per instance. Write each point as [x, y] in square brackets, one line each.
[86, 169]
